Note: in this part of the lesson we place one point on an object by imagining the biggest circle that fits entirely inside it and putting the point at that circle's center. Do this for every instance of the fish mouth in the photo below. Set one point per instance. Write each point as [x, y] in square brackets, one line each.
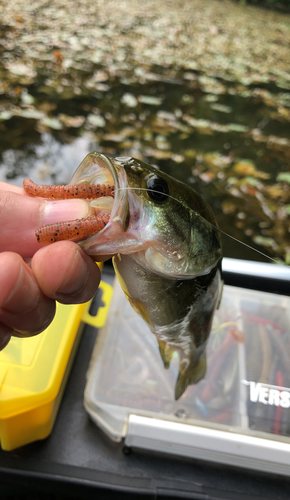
[95, 169]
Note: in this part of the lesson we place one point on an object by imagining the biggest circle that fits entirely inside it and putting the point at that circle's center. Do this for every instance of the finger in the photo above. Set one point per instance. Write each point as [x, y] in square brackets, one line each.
[5, 335]
[4, 186]
[101, 258]
[21, 215]
[65, 273]
[23, 307]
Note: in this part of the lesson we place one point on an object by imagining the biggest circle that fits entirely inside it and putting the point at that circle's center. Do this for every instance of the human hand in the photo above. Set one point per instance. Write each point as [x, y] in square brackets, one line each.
[33, 276]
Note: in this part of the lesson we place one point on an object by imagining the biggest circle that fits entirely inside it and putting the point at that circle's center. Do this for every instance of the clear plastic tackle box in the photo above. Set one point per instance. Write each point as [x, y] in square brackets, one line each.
[239, 414]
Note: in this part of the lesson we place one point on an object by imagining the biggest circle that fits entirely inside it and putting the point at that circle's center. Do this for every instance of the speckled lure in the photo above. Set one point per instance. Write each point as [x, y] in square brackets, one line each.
[79, 228]
[68, 230]
[69, 191]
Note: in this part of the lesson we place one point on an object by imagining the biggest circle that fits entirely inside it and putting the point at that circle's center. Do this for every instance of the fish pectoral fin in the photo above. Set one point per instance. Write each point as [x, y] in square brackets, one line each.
[166, 353]
[190, 374]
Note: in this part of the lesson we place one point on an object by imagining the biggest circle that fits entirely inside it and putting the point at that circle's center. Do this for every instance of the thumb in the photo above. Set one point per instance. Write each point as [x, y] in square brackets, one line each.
[20, 215]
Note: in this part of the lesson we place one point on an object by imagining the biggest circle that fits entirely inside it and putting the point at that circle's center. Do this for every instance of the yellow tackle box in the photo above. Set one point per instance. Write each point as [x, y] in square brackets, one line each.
[34, 372]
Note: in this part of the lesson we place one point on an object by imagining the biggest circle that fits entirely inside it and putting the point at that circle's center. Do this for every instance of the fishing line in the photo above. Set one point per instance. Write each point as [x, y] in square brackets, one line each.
[276, 261]
[248, 246]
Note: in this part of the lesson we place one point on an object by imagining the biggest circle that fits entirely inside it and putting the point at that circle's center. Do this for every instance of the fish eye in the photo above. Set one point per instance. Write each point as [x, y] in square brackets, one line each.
[157, 188]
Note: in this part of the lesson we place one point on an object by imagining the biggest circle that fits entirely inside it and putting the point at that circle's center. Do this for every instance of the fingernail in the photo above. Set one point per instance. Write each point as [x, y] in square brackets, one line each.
[76, 278]
[57, 211]
[24, 295]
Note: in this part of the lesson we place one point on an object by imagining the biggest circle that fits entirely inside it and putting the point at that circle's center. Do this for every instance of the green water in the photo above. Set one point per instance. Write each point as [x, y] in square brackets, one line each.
[230, 141]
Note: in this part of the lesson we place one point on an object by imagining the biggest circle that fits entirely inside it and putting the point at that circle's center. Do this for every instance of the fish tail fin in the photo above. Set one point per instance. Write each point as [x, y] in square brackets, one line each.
[166, 353]
[191, 374]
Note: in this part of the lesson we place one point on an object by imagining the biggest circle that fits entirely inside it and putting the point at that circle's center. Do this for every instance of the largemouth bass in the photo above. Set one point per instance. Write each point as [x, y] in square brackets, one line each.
[165, 246]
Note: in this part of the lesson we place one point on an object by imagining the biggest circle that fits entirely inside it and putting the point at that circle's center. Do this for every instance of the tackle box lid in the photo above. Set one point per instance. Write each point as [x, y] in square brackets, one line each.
[239, 414]
[34, 372]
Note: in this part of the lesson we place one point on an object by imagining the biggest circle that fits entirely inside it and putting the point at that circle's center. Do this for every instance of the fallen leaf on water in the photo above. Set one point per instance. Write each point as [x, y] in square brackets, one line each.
[113, 137]
[211, 98]
[266, 242]
[158, 154]
[129, 100]
[147, 99]
[162, 142]
[57, 56]
[190, 153]
[221, 107]
[283, 177]
[177, 158]
[21, 69]
[6, 115]
[71, 121]
[100, 76]
[53, 123]
[276, 191]
[215, 159]
[235, 127]
[96, 120]
[228, 207]
[247, 168]
[166, 115]
[31, 113]
[207, 176]
[27, 99]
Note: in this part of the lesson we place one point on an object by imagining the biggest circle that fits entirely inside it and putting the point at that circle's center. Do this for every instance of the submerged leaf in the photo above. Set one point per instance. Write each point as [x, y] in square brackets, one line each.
[247, 168]
[31, 113]
[283, 177]
[235, 127]
[5, 115]
[72, 121]
[147, 99]
[221, 107]
[53, 123]
[266, 242]
[129, 100]
[96, 120]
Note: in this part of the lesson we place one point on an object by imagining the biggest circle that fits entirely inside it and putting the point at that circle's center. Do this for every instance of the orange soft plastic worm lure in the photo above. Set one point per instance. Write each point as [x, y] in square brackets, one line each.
[85, 191]
[68, 230]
